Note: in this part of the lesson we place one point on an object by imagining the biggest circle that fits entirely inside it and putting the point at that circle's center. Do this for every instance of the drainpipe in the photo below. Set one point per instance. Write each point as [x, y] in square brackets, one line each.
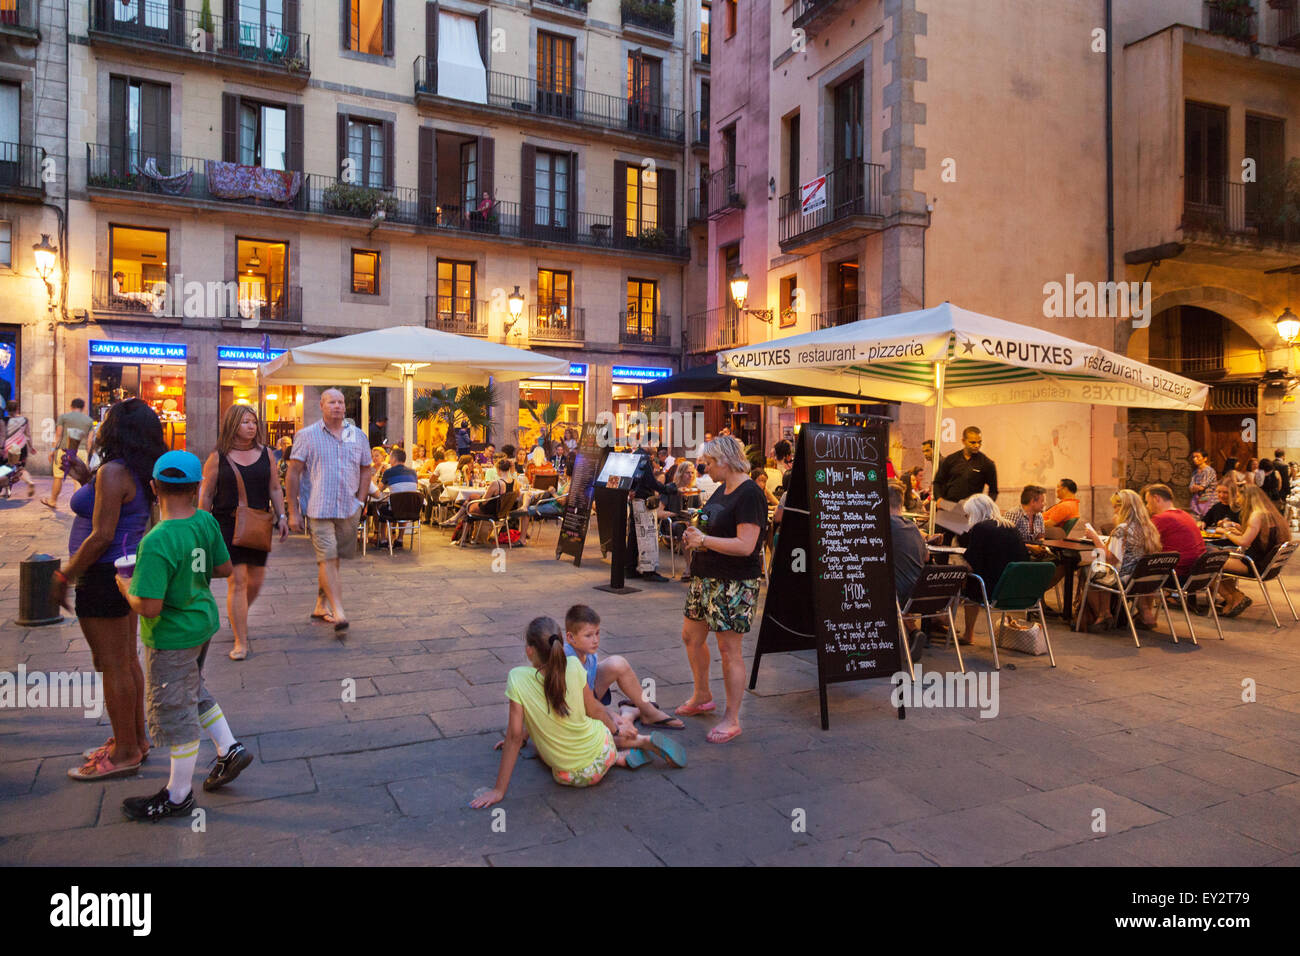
[1110, 150]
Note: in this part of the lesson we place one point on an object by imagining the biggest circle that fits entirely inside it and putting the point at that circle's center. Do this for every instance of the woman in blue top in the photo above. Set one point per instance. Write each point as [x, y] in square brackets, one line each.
[110, 514]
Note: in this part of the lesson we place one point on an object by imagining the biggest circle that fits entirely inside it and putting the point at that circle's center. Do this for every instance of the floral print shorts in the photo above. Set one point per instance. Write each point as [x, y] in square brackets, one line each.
[723, 605]
[595, 771]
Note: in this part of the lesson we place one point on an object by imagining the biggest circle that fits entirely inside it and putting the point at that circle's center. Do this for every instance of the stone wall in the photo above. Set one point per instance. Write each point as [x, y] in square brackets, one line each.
[1159, 450]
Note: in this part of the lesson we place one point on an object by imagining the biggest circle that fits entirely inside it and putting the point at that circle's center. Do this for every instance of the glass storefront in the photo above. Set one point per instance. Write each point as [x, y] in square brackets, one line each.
[10, 340]
[154, 372]
[279, 406]
[539, 393]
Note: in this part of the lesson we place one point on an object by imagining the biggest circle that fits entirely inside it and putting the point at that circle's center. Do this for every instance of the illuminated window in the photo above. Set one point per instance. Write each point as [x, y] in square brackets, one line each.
[365, 272]
[642, 200]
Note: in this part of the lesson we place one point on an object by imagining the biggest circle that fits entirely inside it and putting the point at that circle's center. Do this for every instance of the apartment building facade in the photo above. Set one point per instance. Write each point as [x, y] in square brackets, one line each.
[250, 175]
[965, 158]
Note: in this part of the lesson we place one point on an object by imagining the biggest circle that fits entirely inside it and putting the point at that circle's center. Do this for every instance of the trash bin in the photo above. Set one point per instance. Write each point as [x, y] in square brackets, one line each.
[35, 591]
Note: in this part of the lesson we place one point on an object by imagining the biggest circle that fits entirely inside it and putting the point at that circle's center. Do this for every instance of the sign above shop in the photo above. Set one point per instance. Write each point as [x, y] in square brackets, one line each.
[131, 352]
[625, 374]
[242, 356]
[577, 370]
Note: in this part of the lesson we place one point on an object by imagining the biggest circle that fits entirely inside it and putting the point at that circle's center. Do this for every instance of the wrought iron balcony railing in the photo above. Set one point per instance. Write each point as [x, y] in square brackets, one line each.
[1237, 210]
[556, 323]
[700, 41]
[637, 328]
[839, 316]
[450, 314]
[1229, 20]
[700, 129]
[130, 294]
[721, 328]
[281, 303]
[854, 189]
[723, 190]
[20, 171]
[19, 17]
[657, 15]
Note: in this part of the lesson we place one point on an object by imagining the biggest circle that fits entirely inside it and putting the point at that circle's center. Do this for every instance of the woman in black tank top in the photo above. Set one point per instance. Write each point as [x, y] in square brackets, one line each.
[240, 446]
[1263, 530]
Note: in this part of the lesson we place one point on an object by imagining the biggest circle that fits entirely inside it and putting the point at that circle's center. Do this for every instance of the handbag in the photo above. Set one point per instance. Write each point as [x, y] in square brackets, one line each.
[253, 527]
[1026, 638]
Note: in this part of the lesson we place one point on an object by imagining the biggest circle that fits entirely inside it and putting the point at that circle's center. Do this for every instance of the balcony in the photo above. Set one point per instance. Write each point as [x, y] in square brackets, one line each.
[511, 96]
[813, 15]
[281, 306]
[20, 173]
[1239, 214]
[463, 318]
[852, 207]
[700, 129]
[657, 16]
[19, 21]
[1233, 397]
[156, 29]
[1230, 18]
[1288, 25]
[721, 328]
[652, 331]
[129, 295]
[576, 6]
[556, 324]
[722, 190]
[697, 206]
[700, 47]
[833, 317]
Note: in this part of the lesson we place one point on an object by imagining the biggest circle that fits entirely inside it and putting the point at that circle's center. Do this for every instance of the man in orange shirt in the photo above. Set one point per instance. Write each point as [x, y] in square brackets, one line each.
[1066, 507]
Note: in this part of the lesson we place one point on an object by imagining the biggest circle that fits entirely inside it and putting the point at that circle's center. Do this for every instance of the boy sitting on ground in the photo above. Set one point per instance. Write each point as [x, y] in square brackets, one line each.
[581, 639]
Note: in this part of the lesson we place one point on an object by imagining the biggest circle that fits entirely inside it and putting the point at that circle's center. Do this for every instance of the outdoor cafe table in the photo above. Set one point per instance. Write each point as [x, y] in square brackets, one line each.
[1068, 555]
[469, 492]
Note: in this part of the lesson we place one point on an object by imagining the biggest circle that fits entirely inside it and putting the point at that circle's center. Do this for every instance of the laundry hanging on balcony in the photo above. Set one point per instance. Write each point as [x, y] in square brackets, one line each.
[461, 73]
[236, 181]
[177, 185]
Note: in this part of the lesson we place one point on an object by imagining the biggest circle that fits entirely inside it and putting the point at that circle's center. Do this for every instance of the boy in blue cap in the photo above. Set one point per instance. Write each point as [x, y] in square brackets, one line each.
[170, 590]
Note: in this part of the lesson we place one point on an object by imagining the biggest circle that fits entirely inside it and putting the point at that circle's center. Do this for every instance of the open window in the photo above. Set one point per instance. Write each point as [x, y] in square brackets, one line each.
[368, 26]
[462, 70]
[365, 272]
[263, 271]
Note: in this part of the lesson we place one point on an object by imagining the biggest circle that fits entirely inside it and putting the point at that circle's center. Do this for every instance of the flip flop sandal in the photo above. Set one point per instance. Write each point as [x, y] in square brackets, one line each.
[326, 617]
[635, 759]
[667, 723]
[668, 748]
[49, 504]
[238, 655]
[714, 737]
[1245, 603]
[690, 710]
[99, 767]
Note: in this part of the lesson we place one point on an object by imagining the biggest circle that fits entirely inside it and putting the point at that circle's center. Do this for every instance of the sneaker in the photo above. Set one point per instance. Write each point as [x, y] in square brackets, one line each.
[158, 806]
[917, 643]
[652, 576]
[227, 768]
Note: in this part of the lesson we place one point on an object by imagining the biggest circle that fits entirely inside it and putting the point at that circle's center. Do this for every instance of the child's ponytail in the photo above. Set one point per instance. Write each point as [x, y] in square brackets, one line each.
[544, 637]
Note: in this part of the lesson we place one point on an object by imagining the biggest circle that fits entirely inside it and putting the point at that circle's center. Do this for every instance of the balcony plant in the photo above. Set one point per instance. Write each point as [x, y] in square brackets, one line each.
[111, 180]
[209, 31]
[1279, 203]
[654, 238]
[656, 14]
[360, 201]
[1234, 19]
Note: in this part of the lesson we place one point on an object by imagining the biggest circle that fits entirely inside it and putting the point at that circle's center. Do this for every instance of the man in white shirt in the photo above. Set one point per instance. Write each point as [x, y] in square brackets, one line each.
[445, 471]
[704, 483]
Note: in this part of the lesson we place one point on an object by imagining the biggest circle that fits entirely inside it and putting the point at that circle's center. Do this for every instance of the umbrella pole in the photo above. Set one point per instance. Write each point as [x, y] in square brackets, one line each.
[365, 408]
[408, 423]
[939, 369]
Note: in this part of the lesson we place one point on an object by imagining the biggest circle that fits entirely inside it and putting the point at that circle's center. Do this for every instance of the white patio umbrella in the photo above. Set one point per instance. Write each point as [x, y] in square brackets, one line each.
[407, 355]
[948, 355]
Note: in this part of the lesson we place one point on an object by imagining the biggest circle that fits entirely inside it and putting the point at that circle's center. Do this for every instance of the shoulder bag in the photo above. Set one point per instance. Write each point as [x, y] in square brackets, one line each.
[253, 527]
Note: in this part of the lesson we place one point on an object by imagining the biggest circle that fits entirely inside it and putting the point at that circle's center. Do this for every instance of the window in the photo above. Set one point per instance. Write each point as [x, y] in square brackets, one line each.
[263, 271]
[139, 124]
[705, 91]
[137, 271]
[469, 174]
[368, 26]
[365, 147]
[849, 174]
[728, 161]
[730, 267]
[642, 306]
[261, 23]
[456, 292]
[1265, 143]
[554, 297]
[788, 301]
[642, 200]
[462, 70]
[554, 74]
[1205, 154]
[792, 155]
[365, 272]
[705, 13]
[10, 160]
[6, 243]
[644, 92]
[262, 135]
[551, 182]
[730, 6]
[155, 14]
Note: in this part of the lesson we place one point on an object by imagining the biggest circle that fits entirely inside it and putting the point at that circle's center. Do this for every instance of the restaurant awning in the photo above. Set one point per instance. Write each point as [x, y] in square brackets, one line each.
[705, 383]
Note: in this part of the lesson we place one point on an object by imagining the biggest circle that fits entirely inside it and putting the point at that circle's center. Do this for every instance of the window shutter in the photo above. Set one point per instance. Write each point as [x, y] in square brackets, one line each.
[117, 126]
[345, 23]
[528, 190]
[389, 5]
[483, 38]
[294, 118]
[487, 165]
[573, 195]
[666, 181]
[155, 124]
[230, 23]
[343, 145]
[427, 174]
[431, 47]
[620, 202]
[176, 24]
[291, 27]
[390, 156]
[229, 128]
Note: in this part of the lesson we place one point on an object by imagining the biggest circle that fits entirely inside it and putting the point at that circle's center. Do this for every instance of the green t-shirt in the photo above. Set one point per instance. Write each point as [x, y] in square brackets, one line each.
[175, 562]
[564, 743]
[76, 426]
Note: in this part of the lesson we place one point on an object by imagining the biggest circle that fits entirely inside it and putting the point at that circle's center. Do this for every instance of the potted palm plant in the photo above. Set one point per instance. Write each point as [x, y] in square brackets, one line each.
[547, 418]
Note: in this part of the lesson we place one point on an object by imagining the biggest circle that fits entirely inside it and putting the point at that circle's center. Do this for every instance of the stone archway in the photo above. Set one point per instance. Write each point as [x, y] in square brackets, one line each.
[1250, 314]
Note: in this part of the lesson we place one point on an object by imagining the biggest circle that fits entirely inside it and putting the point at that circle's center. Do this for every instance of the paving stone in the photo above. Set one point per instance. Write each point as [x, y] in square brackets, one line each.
[1167, 790]
[1228, 770]
[1267, 817]
[961, 785]
[1071, 811]
[397, 705]
[346, 738]
[1188, 841]
[613, 842]
[875, 848]
[980, 836]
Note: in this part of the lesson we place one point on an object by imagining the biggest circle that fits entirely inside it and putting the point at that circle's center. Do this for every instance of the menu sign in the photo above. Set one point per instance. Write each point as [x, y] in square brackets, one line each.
[587, 460]
[832, 583]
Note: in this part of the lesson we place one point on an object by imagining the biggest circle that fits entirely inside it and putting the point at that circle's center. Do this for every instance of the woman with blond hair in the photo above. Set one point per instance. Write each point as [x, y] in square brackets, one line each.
[991, 542]
[1135, 535]
[1261, 531]
[240, 445]
[1227, 508]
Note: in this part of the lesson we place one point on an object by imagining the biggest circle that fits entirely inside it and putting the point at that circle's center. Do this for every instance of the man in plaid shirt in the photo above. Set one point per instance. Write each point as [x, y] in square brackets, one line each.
[1028, 518]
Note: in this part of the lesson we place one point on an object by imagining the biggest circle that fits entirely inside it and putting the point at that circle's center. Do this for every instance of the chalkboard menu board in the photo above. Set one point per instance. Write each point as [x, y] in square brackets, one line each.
[832, 582]
[587, 460]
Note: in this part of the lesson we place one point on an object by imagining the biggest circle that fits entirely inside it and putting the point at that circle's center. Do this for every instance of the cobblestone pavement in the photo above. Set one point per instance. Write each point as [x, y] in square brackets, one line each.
[1157, 738]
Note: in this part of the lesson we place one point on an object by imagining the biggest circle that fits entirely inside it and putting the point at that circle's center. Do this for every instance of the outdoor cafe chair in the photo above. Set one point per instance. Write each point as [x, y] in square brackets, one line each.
[1203, 576]
[1271, 572]
[1150, 576]
[1021, 588]
[506, 505]
[405, 507]
[935, 594]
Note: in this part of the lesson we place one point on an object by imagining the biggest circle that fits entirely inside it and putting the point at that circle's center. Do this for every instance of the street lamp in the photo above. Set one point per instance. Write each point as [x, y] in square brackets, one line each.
[516, 302]
[740, 294]
[1288, 326]
[46, 256]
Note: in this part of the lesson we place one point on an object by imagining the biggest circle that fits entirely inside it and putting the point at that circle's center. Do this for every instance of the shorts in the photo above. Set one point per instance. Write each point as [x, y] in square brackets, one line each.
[723, 605]
[175, 694]
[595, 771]
[58, 461]
[97, 594]
[333, 537]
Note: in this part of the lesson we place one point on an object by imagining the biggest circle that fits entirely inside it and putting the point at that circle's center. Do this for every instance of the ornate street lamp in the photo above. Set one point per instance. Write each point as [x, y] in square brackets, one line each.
[1288, 326]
